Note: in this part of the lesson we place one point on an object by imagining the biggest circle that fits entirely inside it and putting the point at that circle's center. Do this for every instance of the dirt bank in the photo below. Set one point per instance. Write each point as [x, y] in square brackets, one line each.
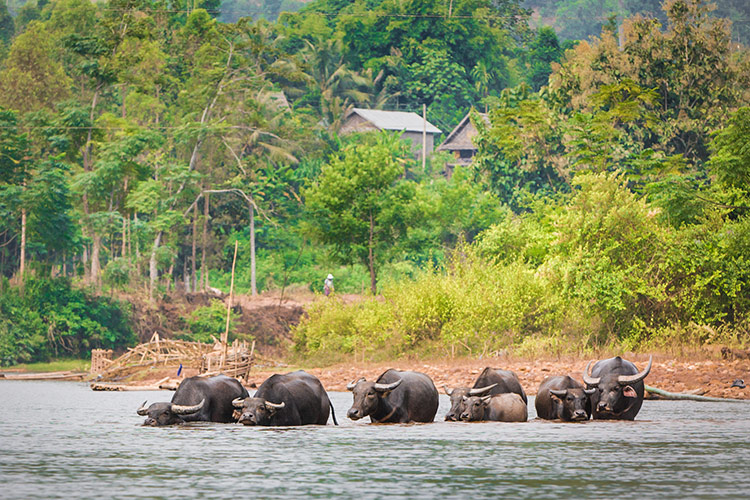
[710, 377]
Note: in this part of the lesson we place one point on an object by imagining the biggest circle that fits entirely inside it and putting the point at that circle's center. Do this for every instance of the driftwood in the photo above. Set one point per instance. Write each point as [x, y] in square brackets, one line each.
[66, 375]
[691, 397]
[157, 386]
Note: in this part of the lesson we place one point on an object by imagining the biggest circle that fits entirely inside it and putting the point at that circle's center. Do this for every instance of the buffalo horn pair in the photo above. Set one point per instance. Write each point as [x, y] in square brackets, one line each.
[622, 379]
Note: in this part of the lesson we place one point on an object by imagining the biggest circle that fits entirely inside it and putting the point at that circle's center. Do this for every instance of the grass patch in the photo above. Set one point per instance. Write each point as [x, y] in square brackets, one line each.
[56, 365]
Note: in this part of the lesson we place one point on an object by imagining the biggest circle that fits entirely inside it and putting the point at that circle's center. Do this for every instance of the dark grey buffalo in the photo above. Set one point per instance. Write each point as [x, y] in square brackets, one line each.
[490, 382]
[506, 407]
[296, 398]
[563, 398]
[396, 397]
[197, 399]
[619, 385]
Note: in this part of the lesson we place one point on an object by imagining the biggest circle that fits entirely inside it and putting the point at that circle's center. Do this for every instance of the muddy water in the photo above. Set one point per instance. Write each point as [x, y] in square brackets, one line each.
[61, 440]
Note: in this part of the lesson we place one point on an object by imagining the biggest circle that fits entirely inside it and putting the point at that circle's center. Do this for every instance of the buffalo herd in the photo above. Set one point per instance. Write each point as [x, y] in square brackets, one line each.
[612, 390]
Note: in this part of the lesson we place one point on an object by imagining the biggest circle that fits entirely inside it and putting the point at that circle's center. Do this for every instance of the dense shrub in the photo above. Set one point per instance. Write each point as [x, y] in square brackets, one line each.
[48, 317]
[599, 270]
[208, 321]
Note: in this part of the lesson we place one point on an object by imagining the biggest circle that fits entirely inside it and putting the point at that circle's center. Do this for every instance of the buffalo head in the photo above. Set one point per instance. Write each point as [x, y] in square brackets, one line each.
[167, 413]
[367, 396]
[457, 396]
[616, 394]
[256, 411]
[575, 404]
[473, 408]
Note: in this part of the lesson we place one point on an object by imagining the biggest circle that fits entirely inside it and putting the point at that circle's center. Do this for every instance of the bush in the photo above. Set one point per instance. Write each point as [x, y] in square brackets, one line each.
[209, 321]
[50, 318]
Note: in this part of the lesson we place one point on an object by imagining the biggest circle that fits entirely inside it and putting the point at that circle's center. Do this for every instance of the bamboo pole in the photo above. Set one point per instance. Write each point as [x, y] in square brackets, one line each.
[225, 335]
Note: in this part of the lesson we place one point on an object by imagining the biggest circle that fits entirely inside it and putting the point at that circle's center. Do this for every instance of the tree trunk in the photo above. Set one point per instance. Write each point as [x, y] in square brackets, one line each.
[192, 285]
[123, 252]
[204, 271]
[252, 251]
[23, 245]
[96, 245]
[371, 258]
[153, 272]
[137, 249]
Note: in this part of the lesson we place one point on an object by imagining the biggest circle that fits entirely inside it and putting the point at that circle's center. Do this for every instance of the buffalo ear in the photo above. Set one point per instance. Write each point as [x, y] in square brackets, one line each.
[464, 398]
[486, 400]
[629, 392]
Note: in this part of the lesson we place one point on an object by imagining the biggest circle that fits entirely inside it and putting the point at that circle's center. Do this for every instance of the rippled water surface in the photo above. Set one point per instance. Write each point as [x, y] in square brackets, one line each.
[62, 440]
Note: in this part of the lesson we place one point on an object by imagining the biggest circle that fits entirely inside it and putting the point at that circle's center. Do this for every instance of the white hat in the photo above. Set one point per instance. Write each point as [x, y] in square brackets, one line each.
[330, 276]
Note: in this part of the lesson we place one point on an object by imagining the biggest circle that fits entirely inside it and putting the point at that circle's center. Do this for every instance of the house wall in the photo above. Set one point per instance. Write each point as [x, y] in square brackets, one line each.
[356, 123]
[416, 143]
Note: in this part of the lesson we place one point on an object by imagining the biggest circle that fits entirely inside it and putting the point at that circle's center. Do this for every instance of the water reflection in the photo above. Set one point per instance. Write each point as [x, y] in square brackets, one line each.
[61, 440]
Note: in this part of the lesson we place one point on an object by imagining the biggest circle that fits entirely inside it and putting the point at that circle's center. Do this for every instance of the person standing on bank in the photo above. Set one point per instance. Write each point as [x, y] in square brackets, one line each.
[328, 285]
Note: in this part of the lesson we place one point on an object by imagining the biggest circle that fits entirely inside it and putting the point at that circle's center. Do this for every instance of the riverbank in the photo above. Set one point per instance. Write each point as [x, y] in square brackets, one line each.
[704, 376]
[699, 375]
[709, 377]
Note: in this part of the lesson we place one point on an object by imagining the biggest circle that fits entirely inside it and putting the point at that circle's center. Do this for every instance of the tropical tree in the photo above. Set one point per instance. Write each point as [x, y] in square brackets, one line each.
[359, 200]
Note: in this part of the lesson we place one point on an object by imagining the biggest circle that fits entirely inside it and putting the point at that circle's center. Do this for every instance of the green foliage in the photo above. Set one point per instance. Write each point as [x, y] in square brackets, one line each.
[358, 202]
[209, 321]
[731, 159]
[600, 269]
[51, 318]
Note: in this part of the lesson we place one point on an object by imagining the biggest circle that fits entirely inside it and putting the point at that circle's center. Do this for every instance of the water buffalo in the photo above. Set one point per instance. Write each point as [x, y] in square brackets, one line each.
[490, 382]
[506, 407]
[563, 398]
[197, 399]
[396, 397]
[620, 388]
[296, 398]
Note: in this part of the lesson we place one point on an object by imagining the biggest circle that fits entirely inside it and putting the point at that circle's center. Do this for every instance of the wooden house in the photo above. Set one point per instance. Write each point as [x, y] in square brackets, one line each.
[459, 142]
[411, 125]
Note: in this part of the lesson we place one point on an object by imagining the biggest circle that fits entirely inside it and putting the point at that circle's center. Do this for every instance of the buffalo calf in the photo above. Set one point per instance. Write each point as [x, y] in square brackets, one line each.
[507, 407]
[563, 398]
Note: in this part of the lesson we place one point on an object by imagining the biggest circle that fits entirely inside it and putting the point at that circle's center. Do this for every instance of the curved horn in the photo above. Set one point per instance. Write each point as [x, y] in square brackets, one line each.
[632, 379]
[560, 394]
[353, 383]
[238, 402]
[142, 410]
[589, 392]
[480, 391]
[275, 406]
[387, 387]
[589, 380]
[448, 391]
[186, 410]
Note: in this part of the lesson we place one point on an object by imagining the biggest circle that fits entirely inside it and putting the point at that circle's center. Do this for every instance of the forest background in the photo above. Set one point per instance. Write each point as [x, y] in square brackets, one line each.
[606, 207]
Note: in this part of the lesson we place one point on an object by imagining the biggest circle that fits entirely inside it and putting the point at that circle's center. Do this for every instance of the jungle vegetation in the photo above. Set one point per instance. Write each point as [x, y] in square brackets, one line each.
[606, 205]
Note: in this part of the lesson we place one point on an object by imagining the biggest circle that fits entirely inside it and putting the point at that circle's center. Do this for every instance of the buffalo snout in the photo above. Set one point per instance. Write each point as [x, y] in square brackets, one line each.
[248, 419]
[354, 414]
[580, 415]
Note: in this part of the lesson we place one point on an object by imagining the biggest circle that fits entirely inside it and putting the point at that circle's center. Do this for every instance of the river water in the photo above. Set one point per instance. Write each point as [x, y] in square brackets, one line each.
[62, 440]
